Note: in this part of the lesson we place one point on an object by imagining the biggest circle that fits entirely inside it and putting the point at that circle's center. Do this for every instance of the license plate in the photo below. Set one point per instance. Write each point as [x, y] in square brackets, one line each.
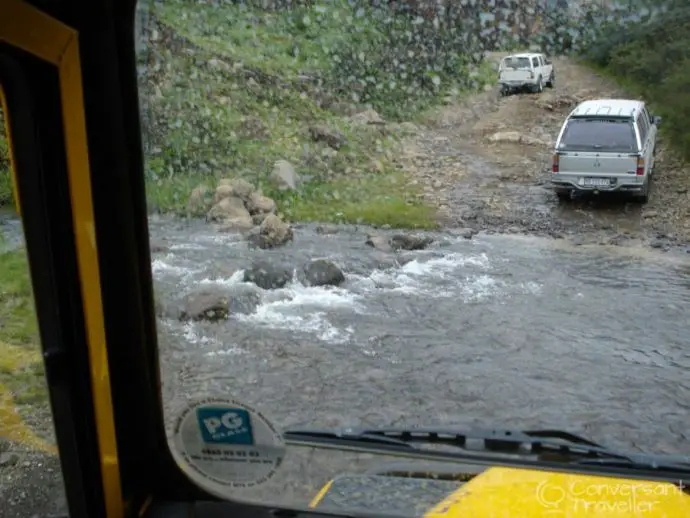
[596, 182]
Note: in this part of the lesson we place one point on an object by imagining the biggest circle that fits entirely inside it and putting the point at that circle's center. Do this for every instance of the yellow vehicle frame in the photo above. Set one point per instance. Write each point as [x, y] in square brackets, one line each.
[69, 83]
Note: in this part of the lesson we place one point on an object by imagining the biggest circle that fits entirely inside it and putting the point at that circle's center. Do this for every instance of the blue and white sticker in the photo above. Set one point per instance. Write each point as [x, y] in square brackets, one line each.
[222, 425]
[223, 444]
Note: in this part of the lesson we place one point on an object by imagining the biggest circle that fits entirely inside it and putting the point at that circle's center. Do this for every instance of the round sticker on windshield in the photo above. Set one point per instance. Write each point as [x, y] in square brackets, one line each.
[223, 444]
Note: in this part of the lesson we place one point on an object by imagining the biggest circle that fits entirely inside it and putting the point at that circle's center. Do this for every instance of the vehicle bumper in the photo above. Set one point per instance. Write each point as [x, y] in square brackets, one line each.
[515, 85]
[568, 182]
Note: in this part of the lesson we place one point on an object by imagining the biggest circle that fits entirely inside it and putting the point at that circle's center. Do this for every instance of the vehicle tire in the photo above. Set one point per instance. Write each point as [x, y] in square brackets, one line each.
[552, 81]
[563, 195]
[540, 86]
[643, 197]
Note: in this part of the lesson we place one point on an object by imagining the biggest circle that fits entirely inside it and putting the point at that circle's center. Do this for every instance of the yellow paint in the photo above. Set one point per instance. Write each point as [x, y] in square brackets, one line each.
[12, 426]
[520, 493]
[14, 429]
[317, 499]
[27, 28]
[8, 135]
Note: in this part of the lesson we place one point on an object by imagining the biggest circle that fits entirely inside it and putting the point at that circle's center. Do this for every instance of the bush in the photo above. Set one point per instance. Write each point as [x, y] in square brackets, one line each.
[653, 57]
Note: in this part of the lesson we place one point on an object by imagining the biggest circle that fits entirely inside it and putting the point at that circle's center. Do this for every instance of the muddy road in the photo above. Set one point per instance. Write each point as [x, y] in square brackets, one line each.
[485, 163]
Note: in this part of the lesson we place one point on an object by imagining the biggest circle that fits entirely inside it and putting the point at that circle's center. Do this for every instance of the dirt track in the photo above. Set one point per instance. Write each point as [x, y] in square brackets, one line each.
[470, 167]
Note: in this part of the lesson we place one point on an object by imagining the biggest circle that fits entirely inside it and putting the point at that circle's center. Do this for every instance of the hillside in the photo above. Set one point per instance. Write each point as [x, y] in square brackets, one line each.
[232, 90]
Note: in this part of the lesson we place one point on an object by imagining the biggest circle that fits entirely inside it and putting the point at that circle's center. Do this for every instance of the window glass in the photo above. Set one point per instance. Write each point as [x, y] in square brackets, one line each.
[599, 134]
[352, 228]
[643, 127]
[30, 476]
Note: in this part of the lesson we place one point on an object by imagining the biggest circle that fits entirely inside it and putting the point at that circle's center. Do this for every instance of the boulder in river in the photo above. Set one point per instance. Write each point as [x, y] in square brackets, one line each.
[205, 305]
[380, 243]
[268, 275]
[231, 214]
[323, 272]
[409, 242]
[238, 205]
[272, 233]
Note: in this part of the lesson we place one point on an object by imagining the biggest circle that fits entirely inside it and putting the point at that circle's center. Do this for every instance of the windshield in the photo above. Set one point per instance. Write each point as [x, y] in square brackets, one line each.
[354, 223]
[599, 135]
[516, 63]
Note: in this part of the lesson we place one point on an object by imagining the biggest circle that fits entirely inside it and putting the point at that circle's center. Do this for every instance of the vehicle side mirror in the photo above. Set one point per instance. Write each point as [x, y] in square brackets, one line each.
[656, 120]
[547, 61]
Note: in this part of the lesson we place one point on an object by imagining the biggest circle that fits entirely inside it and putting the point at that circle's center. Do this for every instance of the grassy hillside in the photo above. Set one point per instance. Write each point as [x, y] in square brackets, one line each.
[230, 90]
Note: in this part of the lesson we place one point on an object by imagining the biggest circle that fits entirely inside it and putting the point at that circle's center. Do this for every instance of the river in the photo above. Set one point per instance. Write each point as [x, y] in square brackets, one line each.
[494, 331]
[508, 331]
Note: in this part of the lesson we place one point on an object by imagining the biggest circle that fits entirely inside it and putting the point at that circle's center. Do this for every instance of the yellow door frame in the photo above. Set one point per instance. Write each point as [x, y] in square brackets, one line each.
[25, 27]
[8, 134]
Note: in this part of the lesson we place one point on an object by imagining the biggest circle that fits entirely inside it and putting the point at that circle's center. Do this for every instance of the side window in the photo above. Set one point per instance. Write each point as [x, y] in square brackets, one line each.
[535, 62]
[643, 127]
[646, 116]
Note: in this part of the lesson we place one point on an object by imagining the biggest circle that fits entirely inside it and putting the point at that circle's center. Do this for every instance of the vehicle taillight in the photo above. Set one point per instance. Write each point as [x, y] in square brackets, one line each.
[640, 166]
[554, 164]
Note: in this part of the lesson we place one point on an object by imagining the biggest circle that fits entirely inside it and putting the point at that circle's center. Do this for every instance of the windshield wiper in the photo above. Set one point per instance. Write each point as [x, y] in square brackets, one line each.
[546, 445]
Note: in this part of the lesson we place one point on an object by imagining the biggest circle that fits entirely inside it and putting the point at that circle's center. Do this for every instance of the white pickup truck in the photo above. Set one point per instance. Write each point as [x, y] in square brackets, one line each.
[531, 71]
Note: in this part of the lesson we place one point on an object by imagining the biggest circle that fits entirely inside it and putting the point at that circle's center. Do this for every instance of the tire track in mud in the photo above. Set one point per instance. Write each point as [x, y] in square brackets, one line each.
[485, 163]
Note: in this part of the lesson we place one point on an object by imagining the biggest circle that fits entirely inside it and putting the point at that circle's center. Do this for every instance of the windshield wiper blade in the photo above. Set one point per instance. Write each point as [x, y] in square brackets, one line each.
[564, 444]
[635, 461]
[549, 446]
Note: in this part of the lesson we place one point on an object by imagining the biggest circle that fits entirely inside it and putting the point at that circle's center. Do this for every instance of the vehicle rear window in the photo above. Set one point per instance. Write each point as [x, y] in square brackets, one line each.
[516, 63]
[599, 134]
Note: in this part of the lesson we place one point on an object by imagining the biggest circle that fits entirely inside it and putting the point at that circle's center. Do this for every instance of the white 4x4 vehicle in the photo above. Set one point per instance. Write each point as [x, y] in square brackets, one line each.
[525, 71]
[606, 145]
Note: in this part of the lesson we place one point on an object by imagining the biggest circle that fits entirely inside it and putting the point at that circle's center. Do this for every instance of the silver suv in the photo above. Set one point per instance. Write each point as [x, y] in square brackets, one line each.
[606, 145]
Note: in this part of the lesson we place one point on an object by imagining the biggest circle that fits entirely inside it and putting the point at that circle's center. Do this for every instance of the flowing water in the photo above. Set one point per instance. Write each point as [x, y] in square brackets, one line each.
[494, 331]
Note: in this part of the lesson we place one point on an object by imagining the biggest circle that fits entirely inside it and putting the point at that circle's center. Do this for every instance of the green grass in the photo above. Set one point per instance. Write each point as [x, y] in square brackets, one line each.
[21, 366]
[231, 90]
[378, 200]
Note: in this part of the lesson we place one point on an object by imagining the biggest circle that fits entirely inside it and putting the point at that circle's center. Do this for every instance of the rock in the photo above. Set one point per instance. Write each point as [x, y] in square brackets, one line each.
[409, 242]
[257, 203]
[237, 224]
[516, 137]
[232, 213]
[200, 201]
[368, 116]
[8, 459]
[322, 133]
[267, 275]
[235, 187]
[379, 243]
[467, 233]
[284, 175]
[205, 305]
[258, 219]
[550, 101]
[322, 272]
[326, 229]
[272, 233]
